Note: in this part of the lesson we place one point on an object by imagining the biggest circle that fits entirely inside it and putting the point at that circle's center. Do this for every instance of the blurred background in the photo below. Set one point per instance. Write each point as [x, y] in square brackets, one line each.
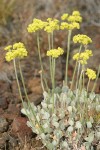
[14, 19]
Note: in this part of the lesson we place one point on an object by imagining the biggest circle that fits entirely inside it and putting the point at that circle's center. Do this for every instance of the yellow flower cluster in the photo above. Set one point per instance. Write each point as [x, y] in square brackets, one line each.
[55, 53]
[82, 39]
[83, 57]
[64, 16]
[18, 45]
[16, 50]
[76, 13]
[69, 26]
[52, 24]
[72, 21]
[91, 74]
[75, 17]
[36, 25]
[7, 48]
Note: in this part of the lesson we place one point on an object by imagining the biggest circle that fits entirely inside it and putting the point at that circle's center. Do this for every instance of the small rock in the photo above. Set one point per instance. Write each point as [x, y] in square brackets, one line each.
[35, 85]
[15, 91]
[13, 109]
[36, 99]
[5, 94]
[3, 125]
[12, 141]
[98, 146]
[2, 142]
[20, 128]
[3, 102]
[3, 138]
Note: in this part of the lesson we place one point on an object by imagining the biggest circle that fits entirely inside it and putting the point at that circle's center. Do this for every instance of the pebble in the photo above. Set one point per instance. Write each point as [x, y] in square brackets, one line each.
[20, 128]
[3, 125]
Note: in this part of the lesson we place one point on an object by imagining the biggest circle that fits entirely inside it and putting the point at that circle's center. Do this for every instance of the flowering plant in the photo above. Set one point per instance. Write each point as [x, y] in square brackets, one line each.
[59, 121]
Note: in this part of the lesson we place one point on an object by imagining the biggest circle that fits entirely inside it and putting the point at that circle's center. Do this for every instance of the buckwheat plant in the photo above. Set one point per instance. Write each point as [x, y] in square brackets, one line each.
[68, 117]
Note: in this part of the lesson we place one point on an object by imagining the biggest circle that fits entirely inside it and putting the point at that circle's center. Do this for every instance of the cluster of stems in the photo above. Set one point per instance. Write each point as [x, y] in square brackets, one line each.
[52, 63]
[26, 95]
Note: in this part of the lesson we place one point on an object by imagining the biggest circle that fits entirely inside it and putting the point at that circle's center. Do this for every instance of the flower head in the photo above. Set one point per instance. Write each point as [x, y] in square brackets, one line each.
[72, 18]
[9, 56]
[18, 45]
[76, 13]
[7, 48]
[82, 39]
[36, 25]
[52, 24]
[91, 74]
[83, 57]
[16, 50]
[75, 17]
[72, 21]
[55, 53]
[69, 26]
[64, 16]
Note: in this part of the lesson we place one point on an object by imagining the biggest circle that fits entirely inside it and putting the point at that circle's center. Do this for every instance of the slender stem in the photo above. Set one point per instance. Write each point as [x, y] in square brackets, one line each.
[23, 82]
[53, 80]
[50, 58]
[52, 70]
[80, 81]
[74, 75]
[53, 73]
[77, 80]
[15, 68]
[78, 66]
[94, 86]
[88, 85]
[83, 76]
[79, 85]
[52, 39]
[41, 64]
[49, 41]
[38, 44]
[42, 81]
[67, 57]
[80, 49]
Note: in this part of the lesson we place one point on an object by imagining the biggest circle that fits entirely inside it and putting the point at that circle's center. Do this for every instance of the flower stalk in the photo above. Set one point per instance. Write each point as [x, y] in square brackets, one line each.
[41, 64]
[67, 56]
[28, 101]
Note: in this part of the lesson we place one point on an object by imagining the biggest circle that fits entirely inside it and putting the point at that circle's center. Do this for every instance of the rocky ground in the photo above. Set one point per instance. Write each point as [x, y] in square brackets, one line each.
[14, 134]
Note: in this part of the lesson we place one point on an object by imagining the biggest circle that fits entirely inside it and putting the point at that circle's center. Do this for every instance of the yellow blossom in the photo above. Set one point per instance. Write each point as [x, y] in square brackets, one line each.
[55, 52]
[76, 13]
[18, 45]
[8, 48]
[76, 56]
[9, 56]
[17, 50]
[64, 16]
[89, 52]
[72, 18]
[21, 52]
[75, 17]
[52, 24]
[36, 25]
[83, 57]
[69, 26]
[72, 21]
[91, 74]
[76, 25]
[82, 39]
